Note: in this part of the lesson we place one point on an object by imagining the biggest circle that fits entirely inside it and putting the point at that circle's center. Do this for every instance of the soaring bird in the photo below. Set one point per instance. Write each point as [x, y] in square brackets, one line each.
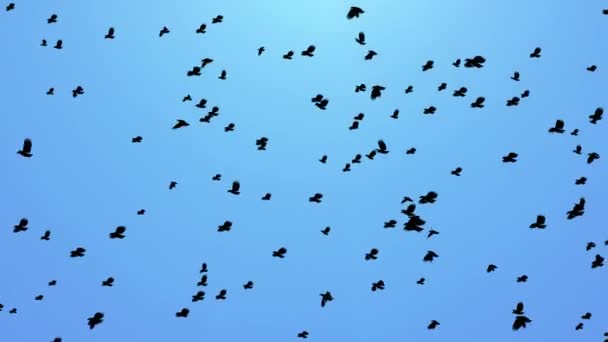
[372, 255]
[180, 123]
[382, 149]
[361, 38]
[598, 261]
[309, 52]
[218, 19]
[325, 298]
[21, 226]
[591, 157]
[596, 116]
[303, 334]
[26, 149]
[428, 65]
[235, 189]
[535, 53]
[520, 322]
[316, 198]
[429, 256]
[59, 45]
[52, 19]
[433, 325]
[519, 309]
[118, 233]
[558, 128]
[354, 12]
[261, 50]
[163, 31]
[515, 76]
[511, 157]
[221, 295]
[540, 222]
[288, 55]
[78, 91]
[201, 29]
[475, 62]
[183, 313]
[280, 253]
[108, 282]
[479, 102]
[370, 54]
[95, 320]
[46, 236]
[376, 91]
[110, 34]
[78, 252]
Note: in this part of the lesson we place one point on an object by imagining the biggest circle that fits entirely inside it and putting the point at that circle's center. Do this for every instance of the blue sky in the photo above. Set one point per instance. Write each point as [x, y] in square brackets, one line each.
[86, 177]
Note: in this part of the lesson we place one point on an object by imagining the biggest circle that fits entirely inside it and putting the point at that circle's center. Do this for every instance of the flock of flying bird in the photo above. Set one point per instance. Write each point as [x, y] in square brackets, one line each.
[413, 223]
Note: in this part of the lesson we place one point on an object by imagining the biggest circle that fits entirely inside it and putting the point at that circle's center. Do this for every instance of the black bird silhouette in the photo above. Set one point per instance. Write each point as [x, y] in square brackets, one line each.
[223, 74]
[372, 255]
[172, 185]
[10, 6]
[309, 52]
[370, 54]
[317, 98]
[395, 114]
[96, 319]
[581, 181]
[51, 91]
[597, 115]
[57, 339]
[59, 45]
[229, 128]
[303, 334]
[511, 157]
[196, 71]
[457, 63]
[108, 282]
[574, 132]
[540, 222]
[376, 91]
[187, 98]
[46, 236]
[361, 38]
[535, 53]
[390, 224]
[359, 117]
[479, 102]
[428, 65]
[206, 61]
[266, 196]
[316, 198]
[442, 86]
[577, 210]
[578, 149]
[43, 42]
[325, 298]
[225, 227]
[346, 167]
[409, 89]
[430, 110]
[39, 297]
[163, 31]
[52, 282]
[78, 252]
[326, 230]
[204, 268]
[288, 55]
[110, 34]
[491, 268]
[433, 325]
[558, 128]
[221, 295]
[586, 316]
[420, 281]
[519, 309]
[522, 279]
[406, 199]
[456, 171]
[235, 189]
[592, 68]
[520, 322]
[200, 295]
[180, 123]
[431, 233]
[515, 76]
[202, 29]
[382, 149]
[183, 313]
[323, 159]
[598, 261]
[429, 256]
[475, 62]
[261, 50]
[514, 101]
[354, 12]
[379, 285]
[579, 326]
[371, 155]
[591, 157]
[118, 233]
[280, 253]
[78, 91]
[21, 226]
[526, 93]
[248, 285]
[218, 19]
[137, 139]
[354, 125]
[360, 88]
[430, 197]
[13, 311]
[357, 159]
[322, 104]
[26, 149]
[203, 281]
[590, 246]
[605, 12]
[52, 19]
[411, 150]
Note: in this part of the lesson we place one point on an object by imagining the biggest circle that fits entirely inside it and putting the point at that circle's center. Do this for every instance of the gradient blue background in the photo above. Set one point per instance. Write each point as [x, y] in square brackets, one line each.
[86, 177]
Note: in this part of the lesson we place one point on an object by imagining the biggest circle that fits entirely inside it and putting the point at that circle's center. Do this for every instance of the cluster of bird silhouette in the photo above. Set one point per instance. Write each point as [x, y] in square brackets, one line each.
[414, 222]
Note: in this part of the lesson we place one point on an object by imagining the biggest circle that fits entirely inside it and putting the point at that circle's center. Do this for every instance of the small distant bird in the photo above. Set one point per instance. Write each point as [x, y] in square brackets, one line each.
[21, 226]
[218, 19]
[540, 222]
[430, 197]
[475, 62]
[266, 197]
[359, 117]
[382, 149]
[514, 101]
[433, 325]
[110, 34]
[406, 199]
[420, 281]
[428, 65]
[574, 132]
[591, 157]
[515, 76]
[372, 254]
[203, 281]
[229, 128]
[51, 91]
[59, 45]
[163, 31]
[118, 233]
[322, 104]
[202, 29]
[26, 149]
[558, 128]
[46, 236]
[236, 188]
[578, 149]
[395, 114]
[586, 316]
[95, 320]
[78, 91]
[370, 55]
[429, 256]
[479, 102]
[13, 311]
[590, 246]
[52, 19]
[180, 123]
[360, 88]
[361, 38]
[456, 171]
[222, 75]
[379, 285]
[519, 309]
[288, 55]
[442, 86]
[520, 322]
[39, 297]
[221, 295]
[371, 155]
[323, 159]
[141, 211]
[196, 71]
[172, 185]
[187, 98]
[198, 296]
[183, 313]
[354, 125]
[325, 298]
[596, 116]
[511, 157]
[261, 50]
[137, 139]
[57, 339]
[316, 198]
[457, 63]
[347, 166]
[390, 224]
[43, 43]
[326, 231]
[430, 110]
[592, 68]
[108, 282]
[411, 150]
[491, 268]
[605, 12]
[357, 159]
[581, 181]
[526, 93]
[522, 279]
[376, 91]
[409, 89]
[431, 233]
[303, 334]
[217, 177]
[52, 282]
[280, 253]
[577, 210]
[10, 6]
[579, 326]
[78, 252]
[309, 52]
[354, 12]
[598, 262]
[225, 227]
[206, 61]
[535, 53]
[248, 285]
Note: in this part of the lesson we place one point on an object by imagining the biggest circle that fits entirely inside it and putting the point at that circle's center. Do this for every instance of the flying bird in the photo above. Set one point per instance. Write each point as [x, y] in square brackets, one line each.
[535, 53]
[218, 19]
[163, 31]
[325, 298]
[96, 319]
[540, 222]
[280, 253]
[361, 38]
[309, 52]
[596, 116]
[46, 236]
[26, 149]
[110, 34]
[180, 124]
[118, 233]
[235, 189]
[520, 322]
[52, 19]
[558, 128]
[21, 226]
[376, 91]
[354, 12]
[519, 309]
